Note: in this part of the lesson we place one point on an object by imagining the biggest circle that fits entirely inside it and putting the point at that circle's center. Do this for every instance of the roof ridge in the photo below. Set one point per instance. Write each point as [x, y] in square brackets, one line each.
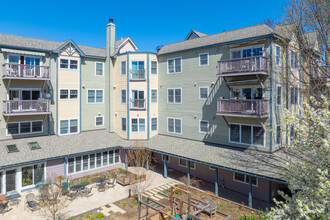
[36, 38]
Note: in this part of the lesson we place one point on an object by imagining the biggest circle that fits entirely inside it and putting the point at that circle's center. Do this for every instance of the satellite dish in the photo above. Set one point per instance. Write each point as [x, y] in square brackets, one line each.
[47, 95]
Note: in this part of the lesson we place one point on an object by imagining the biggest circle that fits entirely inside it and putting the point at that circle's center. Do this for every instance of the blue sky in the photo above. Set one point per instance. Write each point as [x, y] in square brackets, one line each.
[148, 23]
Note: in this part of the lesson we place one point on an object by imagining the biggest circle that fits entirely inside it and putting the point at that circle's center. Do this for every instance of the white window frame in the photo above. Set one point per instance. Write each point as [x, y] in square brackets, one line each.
[156, 97]
[121, 98]
[69, 61]
[199, 60]
[245, 177]
[151, 124]
[174, 96]
[247, 47]
[95, 96]
[187, 164]
[151, 67]
[174, 125]
[121, 124]
[69, 125]
[19, 127]
[199, 92]
[138, 125]
[240, 136]
[208, 126]
[296, 96]
[281, 95]
[21, 176]
[276, 55]
[99, 116]
[297, 60]
[102, 68]
[174, 65]
[121, 72]
[69, 93]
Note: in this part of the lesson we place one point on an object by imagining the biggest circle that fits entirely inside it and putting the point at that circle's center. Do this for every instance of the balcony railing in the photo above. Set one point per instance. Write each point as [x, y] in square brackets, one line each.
[26, 107]
[138, 75]
[138, 104]
[21, 71]
[243, 107]
[243, 66]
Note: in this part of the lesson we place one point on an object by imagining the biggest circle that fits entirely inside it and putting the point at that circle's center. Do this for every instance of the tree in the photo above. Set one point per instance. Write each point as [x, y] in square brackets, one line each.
[138, 157]
[308, 165]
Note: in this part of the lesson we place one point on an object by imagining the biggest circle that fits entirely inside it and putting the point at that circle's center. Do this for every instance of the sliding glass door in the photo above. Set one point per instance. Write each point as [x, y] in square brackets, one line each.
[10, 181]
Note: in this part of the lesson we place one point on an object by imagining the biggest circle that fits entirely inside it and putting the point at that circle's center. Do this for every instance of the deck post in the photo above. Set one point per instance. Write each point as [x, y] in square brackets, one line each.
[250, 192]
[165, 166]
[216, 182]
[126, 160]
[188, 172]
[147, 165]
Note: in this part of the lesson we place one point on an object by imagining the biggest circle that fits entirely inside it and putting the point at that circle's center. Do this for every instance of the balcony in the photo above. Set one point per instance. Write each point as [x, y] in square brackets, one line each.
[26, 107]
[243, 67]
[31, 72]
[138, 75]
[138, 104]
[257, 108]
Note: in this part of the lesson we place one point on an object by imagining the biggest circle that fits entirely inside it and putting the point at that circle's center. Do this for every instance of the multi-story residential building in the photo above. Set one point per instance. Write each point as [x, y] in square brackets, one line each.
[206, 106]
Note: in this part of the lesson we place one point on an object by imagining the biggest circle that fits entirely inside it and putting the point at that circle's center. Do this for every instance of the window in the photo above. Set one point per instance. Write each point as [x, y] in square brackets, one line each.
[98, 159]
[138, 71]
[123, 67]
[78, 164]
[174, 65]
[174, 96]
[183, 163]
[153, 96]
[153, 67]
[123, 96]
[117, 157]
[278, 135]
[25, 127]
[203, 93]
[99, 69]
[246, 134]
[294, 59]
[68, 64]
[69, 126]
[167, 158]
[11, 148]
[92, 161]
[123, 124]
[279, 96]
[85, 162]
[245, 178]
[278, 55]
[203, 126]
[138, 125]
[203, 59]
[105, 158]
[32, 175]
[254, 51]
[294, 95]
[66, 94]
[98, 121]
[34, 145]
[94, 96]
[174, 125]
[154, 124]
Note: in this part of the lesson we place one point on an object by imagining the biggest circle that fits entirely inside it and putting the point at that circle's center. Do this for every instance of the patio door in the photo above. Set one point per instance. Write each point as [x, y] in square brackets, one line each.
[137, 98]
[31, 68]
[10, 181]
[27, 99]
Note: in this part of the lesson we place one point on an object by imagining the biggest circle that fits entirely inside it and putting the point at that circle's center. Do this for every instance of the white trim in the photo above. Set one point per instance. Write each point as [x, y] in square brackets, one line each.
[240, 135]
[199, 92]
[151, 124]
[248, 47]
[99, 116]
[174, 125]
[121, 97]
[121, 124]
[69, 93]
[23, 52]
[199, 55]
[138, 125]
[25, 89]
[69, 61]
[102, 68]
[69, 125]
[174, 96]
[277, 86]
[245, 176]
[151, 95]
[151, 67]
[128, 39]
[191, 162]
[95, 96]
[208, 124]
[174, 65]
[280, 59]
[19, 127]
[297, 59]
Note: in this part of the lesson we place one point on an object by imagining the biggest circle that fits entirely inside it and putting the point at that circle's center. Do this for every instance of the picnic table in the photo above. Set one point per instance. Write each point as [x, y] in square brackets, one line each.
[77, 188]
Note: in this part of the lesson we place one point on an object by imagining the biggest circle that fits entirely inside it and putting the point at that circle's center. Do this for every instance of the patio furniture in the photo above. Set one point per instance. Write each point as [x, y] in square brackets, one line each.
[123, 180]
[211, 210]
[65, 188]
[111, 182]
[101, 188]
[75, 182]
[31, 203]
[99, 180]
[3, 203]
[87, 192]
[76, 190]
[43, 194]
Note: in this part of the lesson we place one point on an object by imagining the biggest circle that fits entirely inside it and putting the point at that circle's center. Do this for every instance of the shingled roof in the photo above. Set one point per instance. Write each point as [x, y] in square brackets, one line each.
[214, 39]
[49, 45]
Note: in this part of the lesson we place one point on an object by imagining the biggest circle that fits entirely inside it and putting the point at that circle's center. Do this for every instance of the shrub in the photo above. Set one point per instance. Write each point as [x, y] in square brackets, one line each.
[176, 191]
[121, 170]
[100, 215]
[247, 217]
[124, 204]
[135, 202]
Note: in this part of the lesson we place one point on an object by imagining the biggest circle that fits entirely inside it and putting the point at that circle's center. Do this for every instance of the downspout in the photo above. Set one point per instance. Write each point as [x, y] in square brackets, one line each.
[287, 91]
[127, 95]
[56, 94]
[80, 95]
[48, 92]
[148, 99]
[271, 97]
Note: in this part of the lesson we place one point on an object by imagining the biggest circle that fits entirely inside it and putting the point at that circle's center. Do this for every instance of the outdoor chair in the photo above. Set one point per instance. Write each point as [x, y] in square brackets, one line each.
[65, 188]
[87, 192]
[3, 203]
[43, 193]
[72, 196]
[101, 188]
[31, 202]
[111, 183]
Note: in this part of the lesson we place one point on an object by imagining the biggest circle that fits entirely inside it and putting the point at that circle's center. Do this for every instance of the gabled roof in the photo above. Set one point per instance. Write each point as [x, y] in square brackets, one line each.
[122, 42]
[29, 43]
[214, 39]
[197, 34]
[71, 42]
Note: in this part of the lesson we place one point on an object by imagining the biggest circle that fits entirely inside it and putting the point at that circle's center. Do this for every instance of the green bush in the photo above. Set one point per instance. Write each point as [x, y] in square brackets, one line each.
[121, 170]
[176, 191]
[248, 217]
[135, 202]
[100, 215]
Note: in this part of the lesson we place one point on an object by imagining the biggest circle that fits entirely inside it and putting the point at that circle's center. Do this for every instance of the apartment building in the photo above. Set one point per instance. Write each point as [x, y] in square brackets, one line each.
[206, 106]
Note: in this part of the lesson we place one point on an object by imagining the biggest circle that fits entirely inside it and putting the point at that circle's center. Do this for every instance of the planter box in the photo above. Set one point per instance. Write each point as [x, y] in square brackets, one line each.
[123, 180]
